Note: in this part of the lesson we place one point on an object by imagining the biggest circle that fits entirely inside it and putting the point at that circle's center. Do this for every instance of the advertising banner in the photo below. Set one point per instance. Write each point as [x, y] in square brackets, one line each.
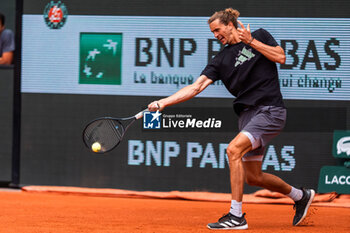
[334, 179]
[156, 56]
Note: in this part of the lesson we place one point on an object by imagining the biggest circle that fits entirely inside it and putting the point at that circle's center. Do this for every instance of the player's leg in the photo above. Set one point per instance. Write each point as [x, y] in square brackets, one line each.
[235, 151]
[263, 124]
[238, 147]
[254, 176]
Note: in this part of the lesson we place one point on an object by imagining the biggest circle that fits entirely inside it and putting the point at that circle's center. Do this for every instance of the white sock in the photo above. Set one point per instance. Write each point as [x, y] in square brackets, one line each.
[295, 194]
[236, 208]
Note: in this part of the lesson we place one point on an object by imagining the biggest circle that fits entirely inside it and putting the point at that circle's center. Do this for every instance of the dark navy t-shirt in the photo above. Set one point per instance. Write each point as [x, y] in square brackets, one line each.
[247, 74]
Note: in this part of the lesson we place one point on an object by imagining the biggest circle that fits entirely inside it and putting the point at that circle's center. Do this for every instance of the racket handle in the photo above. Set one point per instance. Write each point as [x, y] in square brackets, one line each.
[140, 114]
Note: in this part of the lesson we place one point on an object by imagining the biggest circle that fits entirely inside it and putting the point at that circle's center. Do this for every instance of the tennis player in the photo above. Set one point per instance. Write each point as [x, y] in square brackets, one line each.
[247, 67]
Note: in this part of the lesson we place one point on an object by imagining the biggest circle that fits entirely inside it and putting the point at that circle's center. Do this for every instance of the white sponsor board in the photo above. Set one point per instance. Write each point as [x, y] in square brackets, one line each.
[162, 54]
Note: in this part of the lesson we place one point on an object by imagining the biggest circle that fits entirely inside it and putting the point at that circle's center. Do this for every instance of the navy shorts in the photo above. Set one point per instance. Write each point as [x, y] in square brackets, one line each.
[261, 124]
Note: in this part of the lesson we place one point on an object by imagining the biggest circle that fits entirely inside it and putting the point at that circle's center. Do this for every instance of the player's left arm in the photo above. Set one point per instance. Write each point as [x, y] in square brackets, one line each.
[273, 53]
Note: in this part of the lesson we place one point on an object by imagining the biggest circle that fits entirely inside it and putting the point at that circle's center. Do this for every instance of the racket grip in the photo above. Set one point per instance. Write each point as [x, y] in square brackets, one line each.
[140, 114]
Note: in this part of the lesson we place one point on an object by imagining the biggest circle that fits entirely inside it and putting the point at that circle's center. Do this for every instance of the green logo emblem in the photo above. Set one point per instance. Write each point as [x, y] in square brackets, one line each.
[341, 144]
[100, 58]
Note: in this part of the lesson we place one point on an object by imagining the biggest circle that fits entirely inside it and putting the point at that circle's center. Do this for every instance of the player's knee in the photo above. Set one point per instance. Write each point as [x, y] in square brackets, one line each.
[233, 153]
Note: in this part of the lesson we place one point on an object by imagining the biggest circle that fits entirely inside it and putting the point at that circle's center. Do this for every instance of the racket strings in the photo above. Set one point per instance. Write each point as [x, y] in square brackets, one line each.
[107, 132]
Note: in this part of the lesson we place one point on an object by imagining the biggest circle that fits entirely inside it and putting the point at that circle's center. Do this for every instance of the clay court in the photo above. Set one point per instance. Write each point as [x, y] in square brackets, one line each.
[38, 210]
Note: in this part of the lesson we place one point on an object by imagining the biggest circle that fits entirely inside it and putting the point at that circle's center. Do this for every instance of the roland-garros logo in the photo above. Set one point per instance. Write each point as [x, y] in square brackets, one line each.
[55, 14]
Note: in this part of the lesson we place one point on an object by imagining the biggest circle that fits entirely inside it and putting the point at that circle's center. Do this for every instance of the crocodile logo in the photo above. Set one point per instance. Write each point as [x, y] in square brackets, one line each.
[343, 145]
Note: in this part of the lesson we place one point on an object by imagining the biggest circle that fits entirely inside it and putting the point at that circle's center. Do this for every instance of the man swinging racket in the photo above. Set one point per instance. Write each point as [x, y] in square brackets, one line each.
[247, 67]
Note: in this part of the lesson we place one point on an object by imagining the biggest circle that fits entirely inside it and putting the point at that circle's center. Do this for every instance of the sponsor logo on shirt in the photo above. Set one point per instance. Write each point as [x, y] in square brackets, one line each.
[243, 56]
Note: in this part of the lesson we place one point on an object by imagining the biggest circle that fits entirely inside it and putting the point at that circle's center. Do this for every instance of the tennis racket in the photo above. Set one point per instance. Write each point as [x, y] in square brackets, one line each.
[104, 134]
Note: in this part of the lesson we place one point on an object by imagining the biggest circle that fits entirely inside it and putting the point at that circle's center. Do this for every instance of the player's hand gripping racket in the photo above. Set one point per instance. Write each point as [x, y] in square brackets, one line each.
[104, 134]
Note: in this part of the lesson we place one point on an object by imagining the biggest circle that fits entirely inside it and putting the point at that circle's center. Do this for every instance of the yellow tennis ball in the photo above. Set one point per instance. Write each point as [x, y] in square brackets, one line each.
[96, 147]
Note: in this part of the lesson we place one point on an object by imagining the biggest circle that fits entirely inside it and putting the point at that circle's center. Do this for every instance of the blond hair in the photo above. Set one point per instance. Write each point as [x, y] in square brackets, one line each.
[225, 16]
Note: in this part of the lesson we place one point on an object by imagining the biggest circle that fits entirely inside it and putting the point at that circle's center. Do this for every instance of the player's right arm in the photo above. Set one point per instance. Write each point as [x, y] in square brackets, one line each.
[6, 58]
[182, 95]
